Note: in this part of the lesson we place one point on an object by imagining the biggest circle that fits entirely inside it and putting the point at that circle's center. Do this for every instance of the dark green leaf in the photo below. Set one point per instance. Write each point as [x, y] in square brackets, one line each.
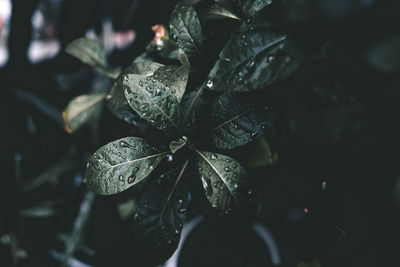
[183, 58]
[152, 100]
[90, 52]
[250, 7]
[224, 180]
[185, 29]
[116, 100]
[121, 164]
[219, 12]
[190, 110]
[166, 48]
[234, 124]
[160, 214]
[173, 77]
[81, 109]
[174, 146]
[253, 58]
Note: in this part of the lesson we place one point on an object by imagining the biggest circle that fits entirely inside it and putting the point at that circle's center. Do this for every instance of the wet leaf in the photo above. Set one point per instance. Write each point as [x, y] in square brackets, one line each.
[185, 28]
[176, 145]
[234, 124]
[224, 180]
[82, 109]
[174, 77]
[255, 56]
[160, 214]
[251, 7]
[190, 110]
[117, 102]
[121, 164]
[90, 52]
[152, 100]
[217, 11]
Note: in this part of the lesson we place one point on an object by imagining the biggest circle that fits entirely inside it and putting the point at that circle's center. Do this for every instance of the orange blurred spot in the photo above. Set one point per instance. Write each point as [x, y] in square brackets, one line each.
[66, 126]
[159, 31]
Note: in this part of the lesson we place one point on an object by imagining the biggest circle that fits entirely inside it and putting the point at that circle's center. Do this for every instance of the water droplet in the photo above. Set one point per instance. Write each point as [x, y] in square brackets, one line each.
[183, 78]
[213, 156]
[136, 216]
[170, 158]
[121, 178]
[251, 63]
[324, 185]
[182, 210]
[227, 169]
[227, 59]
[270, 58]
[176, 231]
[235, 126]
[140, 83]
[131, 179]
[126, 78]
[173, 91]
[180, 201]
[210, 84]
[109, 96]
[158, 92]
[254, 134]
[243, 36]
[169, 241]
[151, 167]
[87, 165]
[235, 185]
[124, 144]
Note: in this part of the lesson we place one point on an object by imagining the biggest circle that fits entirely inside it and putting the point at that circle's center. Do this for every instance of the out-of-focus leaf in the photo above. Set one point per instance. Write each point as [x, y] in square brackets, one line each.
[314, 263]
[152, 100]
[234, 124]
[160, 214]
[185, 29]
[90, 52]
[121, 164]
[125, 209]
[41, 211]
[385, 55]
[261, 154]
[116, 100]
[82, 109]
[224, 180]
[256, 56]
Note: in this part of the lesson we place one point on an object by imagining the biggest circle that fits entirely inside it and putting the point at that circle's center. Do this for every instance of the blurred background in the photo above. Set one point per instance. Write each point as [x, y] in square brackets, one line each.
[333, 201]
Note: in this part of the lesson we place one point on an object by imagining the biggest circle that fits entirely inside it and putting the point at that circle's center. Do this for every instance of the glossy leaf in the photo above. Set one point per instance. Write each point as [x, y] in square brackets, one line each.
[174, 77]
[251, 7]
[256, 56]
[234, 124]
[223, 179]
[217, 11]
[90, 52]
[81, 109]
[190, 110]
[176, 145]
[152, 100]
[121, 164]
[160, 214]
[116, 100]
[185, 29]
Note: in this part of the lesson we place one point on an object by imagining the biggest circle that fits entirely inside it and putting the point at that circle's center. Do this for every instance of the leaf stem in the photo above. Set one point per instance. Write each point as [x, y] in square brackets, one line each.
[173, 189]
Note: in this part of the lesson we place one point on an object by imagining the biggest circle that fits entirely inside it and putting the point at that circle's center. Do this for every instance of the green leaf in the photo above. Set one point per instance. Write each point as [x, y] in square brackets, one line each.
[224, 180]
[251, 7]
[160, 214]
[233, 123]
[261, 154]
[176, 145]
[217, 11]
[173, 77]
[116, 100]
[190, 110]
[121, 164]
[185, 28]
[90, 52]
[152, 100]
[81, 109]
[254, 57]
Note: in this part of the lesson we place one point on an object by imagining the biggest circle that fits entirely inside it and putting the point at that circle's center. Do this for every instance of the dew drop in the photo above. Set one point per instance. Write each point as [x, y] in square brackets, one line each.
[121, 178]
[126, 78]
[108, 96]
[124, 144]
[235, 185]
[213, 157]
[176, 231]
[227, 169]
[180, 201]
[131, 179]
[140, 83]
[254, 134]
[210, 84]
[170, 158]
